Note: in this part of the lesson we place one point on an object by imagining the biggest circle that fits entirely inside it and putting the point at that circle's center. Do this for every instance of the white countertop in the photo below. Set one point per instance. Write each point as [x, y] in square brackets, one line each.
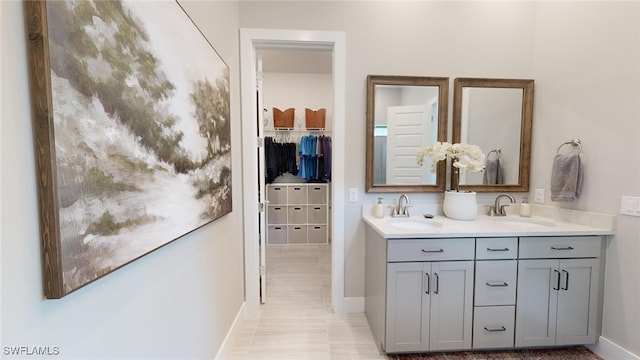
[483, 226]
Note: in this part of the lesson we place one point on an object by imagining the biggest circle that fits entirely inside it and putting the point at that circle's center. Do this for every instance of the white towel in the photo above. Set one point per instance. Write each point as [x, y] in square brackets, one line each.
[566, 178]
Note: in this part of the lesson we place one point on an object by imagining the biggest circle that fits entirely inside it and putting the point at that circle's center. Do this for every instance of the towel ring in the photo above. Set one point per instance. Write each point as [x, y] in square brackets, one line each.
[574, 142]
[498, 151]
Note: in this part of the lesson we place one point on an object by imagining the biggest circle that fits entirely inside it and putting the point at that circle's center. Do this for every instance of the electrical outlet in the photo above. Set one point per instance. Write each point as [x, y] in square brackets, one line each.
[539, 196]
[630, 205]
[353, 194]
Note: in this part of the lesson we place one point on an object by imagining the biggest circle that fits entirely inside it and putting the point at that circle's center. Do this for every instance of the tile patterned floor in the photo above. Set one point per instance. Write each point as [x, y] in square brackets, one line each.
[297, 321]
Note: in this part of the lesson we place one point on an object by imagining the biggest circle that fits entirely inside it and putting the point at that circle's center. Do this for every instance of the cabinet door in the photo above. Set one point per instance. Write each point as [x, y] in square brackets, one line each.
[577, 299]
[536, 303]
[451, 305]
[408, 288]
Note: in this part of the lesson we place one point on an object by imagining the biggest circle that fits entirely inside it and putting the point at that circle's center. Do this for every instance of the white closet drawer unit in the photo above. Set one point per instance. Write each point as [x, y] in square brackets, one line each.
[560, 247]
[496, 282]
[297, 234]
[297, 214]
[277, 194]
[297, 208]
[431, 249]
[317, 234]
[496, 248]
[297, 194]
[493, 327]
[317, 214]
[317, 194]
[277, 214]
[277, 234]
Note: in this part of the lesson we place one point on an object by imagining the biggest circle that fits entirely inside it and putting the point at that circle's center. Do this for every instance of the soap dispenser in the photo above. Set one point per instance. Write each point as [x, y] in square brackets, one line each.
[378, 209]
[525, 208]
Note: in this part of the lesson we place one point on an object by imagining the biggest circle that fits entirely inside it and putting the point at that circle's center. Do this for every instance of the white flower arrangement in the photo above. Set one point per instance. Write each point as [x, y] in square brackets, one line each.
[463, 156]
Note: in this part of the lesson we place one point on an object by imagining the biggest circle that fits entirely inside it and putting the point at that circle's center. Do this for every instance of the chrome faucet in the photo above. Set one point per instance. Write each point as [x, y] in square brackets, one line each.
[497, 209]
[402, 210]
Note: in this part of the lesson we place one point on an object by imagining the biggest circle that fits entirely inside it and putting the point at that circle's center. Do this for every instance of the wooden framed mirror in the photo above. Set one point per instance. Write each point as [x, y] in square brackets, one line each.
[495, 114]
[404, 113]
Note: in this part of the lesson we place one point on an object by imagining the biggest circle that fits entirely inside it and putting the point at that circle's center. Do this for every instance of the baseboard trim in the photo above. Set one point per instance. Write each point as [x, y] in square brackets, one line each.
[232, 334]
[609, 350]
[353, 304]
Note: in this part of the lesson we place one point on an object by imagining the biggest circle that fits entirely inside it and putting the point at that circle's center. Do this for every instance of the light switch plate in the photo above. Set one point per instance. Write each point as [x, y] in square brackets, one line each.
[353, 194]
[539, 196]
[630, 205]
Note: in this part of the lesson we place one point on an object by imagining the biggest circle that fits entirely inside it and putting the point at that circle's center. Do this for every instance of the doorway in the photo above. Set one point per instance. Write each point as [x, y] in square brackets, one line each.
[251, 42]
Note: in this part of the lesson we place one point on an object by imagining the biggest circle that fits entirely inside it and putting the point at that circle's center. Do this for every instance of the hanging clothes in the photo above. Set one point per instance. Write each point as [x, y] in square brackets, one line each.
[279, 158]
[315, 158]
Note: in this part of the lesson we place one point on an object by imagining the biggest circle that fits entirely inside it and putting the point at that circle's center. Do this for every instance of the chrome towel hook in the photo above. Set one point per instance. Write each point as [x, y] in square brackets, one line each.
[574, 142]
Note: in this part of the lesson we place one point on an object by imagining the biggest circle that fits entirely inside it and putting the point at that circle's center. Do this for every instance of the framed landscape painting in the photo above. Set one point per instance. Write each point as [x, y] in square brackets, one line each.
[132, 133]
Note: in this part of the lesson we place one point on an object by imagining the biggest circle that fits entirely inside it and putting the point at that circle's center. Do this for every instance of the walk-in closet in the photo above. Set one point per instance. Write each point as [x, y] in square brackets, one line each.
[296, 93]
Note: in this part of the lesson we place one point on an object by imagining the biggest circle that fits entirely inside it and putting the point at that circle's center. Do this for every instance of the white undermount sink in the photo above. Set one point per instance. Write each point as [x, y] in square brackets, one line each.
[412, 224]
[523, 221]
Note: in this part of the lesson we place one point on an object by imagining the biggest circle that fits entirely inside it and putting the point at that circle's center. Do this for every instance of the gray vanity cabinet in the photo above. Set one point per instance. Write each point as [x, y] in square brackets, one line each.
[558, 290]
[424, 299]
[429, 306]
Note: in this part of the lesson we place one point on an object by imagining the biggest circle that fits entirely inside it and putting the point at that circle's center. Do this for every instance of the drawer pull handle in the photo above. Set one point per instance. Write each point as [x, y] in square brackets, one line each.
[297, 208]
[297, 188]
[504, 249]
[504, 284]
[432, 251]
[566, 284]
[437, 278]
[317, 227]
[316, 208]
[501, 328]
[561, 248]
[277, 208]
[316, 188]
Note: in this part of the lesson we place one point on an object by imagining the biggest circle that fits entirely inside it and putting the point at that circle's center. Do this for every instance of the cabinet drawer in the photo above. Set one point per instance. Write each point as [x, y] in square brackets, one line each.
[560, 247]
[493, 327]
[317, 234]
[297, 194]
[496, 282]
[276, 214]
[297, 214]
[430, 249]
[297, 234]
[317, 194]
[277, 234]
[496, 248]
[277, 194]
[317, 214]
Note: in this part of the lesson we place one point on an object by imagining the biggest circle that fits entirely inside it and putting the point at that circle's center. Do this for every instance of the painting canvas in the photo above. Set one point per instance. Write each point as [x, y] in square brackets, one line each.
[132, 133]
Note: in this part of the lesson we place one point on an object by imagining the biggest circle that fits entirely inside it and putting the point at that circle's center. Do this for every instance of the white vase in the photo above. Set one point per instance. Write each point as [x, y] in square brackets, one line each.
[460, 205]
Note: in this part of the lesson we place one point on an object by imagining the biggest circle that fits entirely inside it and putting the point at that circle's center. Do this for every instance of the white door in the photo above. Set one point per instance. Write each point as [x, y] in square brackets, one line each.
[578, 296]
[451, 305]
[537, 299]
[408, 129]
[262, 202]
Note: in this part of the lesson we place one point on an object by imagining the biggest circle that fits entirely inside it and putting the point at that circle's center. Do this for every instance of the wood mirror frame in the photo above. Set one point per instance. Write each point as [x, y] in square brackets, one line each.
[522, 184]
[443, 104]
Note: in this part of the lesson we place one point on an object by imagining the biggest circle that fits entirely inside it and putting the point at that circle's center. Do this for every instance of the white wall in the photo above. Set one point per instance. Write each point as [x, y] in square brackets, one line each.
[584, 58]
[587, 71]
[177, 302]
[403, 38]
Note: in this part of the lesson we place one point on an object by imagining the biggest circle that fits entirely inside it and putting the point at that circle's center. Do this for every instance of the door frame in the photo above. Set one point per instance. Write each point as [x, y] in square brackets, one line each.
[250, 40]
